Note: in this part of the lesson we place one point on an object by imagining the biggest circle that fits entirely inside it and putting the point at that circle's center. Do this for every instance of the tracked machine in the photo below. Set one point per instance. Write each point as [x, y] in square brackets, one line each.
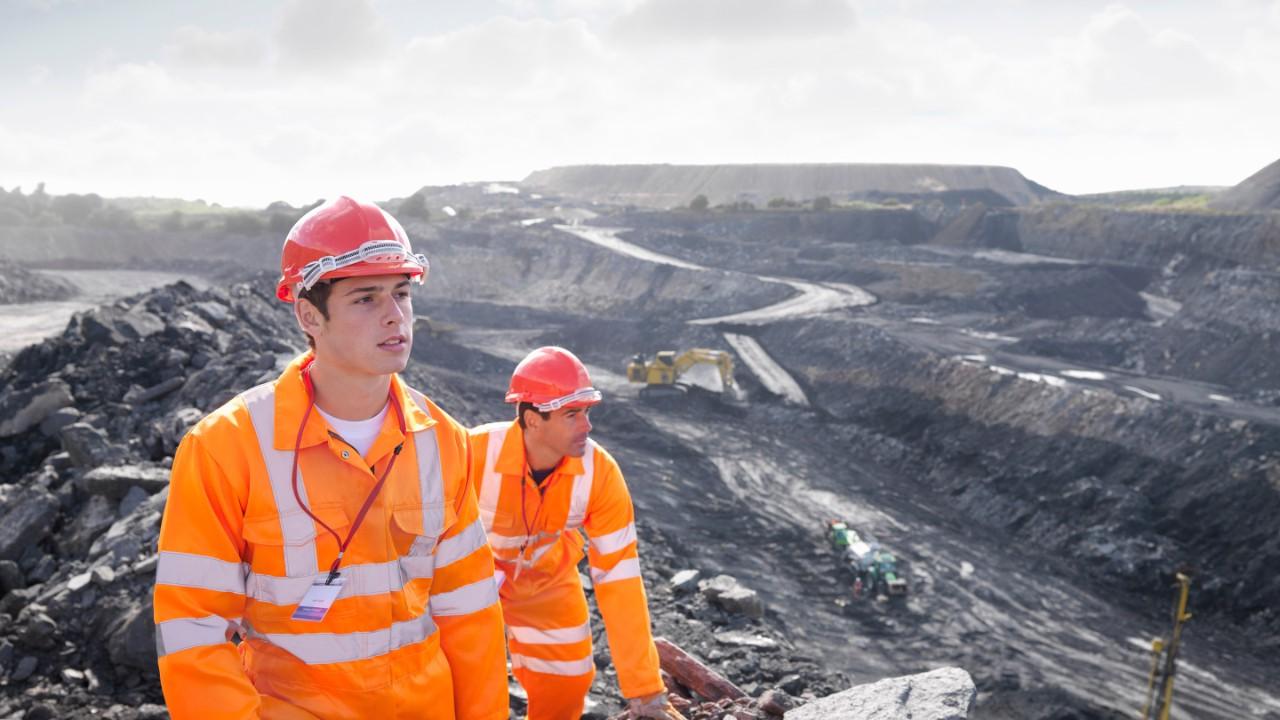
[669, 375]
[875, 570]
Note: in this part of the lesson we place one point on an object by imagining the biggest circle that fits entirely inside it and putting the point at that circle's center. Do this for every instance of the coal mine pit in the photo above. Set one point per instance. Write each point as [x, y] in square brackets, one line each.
[1039, 432]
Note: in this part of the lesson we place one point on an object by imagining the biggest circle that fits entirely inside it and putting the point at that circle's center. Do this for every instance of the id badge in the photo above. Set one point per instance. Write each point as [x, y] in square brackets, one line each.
[319, 598]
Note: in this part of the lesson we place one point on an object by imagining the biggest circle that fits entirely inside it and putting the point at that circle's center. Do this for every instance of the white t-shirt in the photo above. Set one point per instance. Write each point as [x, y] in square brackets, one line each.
[359, 433]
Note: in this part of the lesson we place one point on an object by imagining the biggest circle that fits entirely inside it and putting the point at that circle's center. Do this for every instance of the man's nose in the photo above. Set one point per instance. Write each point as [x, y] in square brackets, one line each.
[394, 314]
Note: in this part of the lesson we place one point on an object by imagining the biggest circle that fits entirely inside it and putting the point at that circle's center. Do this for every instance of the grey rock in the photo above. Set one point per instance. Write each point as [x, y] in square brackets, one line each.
[103, 575]
[87, 445]
[176, 358]
[685, 581]
[138, 324]
[21, 410]
[52, 425]
[98, 326]
[80, 581]
[16, 600]
[745, 639]
[131, 500]
[6, 655]
[172, 427]
[11, 577]
[114, 481]
[40, 711]
[944, 694]
[151, 711]
[39, 631]
[59, 462]
[95, 516]
[793, 684]
[215, 313]
[727, 593]
[73, 676]
[27, 521]
[138, 395]
[190, 322]
[26, 668]
[146, 565]
[44, 569]
[131, 638]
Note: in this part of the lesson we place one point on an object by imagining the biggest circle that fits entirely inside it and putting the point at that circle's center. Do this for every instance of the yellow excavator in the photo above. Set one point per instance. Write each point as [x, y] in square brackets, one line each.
[669, 374]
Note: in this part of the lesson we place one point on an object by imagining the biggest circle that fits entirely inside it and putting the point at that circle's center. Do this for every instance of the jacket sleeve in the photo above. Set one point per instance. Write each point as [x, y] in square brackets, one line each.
[619, 589]
[199, 592]
[464, 605]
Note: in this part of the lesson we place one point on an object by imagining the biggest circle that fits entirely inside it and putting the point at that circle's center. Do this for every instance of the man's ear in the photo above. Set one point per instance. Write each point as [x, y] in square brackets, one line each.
[531, 418]
[310, 321]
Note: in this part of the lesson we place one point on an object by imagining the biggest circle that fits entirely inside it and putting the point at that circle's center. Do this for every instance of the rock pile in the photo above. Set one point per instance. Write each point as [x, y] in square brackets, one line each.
[89, 421]
[20, 285]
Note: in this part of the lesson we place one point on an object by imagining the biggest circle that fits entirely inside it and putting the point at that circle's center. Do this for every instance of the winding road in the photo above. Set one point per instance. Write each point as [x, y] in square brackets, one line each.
[810, 299]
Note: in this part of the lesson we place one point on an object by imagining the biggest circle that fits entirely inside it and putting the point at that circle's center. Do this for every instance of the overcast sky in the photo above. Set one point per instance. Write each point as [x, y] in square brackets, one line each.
[247, 101]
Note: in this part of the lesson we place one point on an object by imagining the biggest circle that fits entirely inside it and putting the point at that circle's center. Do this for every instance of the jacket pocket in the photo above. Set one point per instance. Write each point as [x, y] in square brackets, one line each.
[306, 549]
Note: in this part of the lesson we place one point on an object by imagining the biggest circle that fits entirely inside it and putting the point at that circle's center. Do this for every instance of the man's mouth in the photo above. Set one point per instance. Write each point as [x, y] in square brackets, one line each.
[395, 342]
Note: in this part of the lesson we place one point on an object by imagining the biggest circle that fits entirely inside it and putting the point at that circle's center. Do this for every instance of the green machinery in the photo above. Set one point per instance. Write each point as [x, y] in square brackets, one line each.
[875, 570]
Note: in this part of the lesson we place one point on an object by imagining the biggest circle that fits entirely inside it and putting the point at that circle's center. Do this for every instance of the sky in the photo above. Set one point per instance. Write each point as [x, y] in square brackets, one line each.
[247, 102]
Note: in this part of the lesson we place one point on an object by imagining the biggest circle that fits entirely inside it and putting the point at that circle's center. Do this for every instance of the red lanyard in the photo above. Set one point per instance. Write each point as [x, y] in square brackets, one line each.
[373, 494]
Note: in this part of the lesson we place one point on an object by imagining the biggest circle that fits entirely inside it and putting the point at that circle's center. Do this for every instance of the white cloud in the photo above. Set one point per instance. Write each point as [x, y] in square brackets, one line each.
[1128, 61]
[38, 74]
[199, 48]
[703, 20]
[228, 116]
[326, 35]
[130, 82]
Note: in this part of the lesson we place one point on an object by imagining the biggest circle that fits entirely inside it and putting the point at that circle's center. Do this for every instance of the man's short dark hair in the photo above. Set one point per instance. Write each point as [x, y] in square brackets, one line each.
[318, 295]
[522, 407]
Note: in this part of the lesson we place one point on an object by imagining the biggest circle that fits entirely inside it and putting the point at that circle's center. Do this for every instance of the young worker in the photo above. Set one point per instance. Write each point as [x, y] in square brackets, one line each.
[326, 517]
[541, 478]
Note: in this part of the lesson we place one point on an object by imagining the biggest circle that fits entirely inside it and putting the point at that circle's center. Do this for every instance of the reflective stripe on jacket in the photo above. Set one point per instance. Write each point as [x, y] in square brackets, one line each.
[587, 493]
[416, 630]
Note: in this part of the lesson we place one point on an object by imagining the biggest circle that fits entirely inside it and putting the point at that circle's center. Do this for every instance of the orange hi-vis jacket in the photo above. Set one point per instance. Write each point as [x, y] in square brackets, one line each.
[416, 630]
[536, 543]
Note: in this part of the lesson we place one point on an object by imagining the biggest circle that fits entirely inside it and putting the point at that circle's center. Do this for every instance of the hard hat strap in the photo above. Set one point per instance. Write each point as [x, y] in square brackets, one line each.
[586, 394]
[374, 251]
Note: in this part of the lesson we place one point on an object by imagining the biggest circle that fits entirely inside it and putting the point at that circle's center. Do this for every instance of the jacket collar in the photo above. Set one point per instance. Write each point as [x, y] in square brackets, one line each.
[292, 399]
[512, 461]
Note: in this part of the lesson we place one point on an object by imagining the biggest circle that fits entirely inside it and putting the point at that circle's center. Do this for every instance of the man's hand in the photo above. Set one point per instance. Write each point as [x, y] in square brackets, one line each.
[653, 706]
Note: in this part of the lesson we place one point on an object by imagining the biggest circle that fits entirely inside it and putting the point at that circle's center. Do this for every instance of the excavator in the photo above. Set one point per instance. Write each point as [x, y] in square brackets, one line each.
[670, 374]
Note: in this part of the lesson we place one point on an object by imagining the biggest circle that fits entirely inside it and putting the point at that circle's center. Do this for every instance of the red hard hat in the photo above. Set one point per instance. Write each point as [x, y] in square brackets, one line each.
[345, 238]
[551, 378]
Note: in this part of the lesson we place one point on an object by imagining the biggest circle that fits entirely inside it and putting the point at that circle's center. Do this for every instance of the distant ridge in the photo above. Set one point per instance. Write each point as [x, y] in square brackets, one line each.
[1259, 191]
[673, 185]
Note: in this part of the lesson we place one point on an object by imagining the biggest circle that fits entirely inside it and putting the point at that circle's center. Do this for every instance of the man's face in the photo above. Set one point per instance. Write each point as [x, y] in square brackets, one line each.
[370, 326]
[564, 432]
